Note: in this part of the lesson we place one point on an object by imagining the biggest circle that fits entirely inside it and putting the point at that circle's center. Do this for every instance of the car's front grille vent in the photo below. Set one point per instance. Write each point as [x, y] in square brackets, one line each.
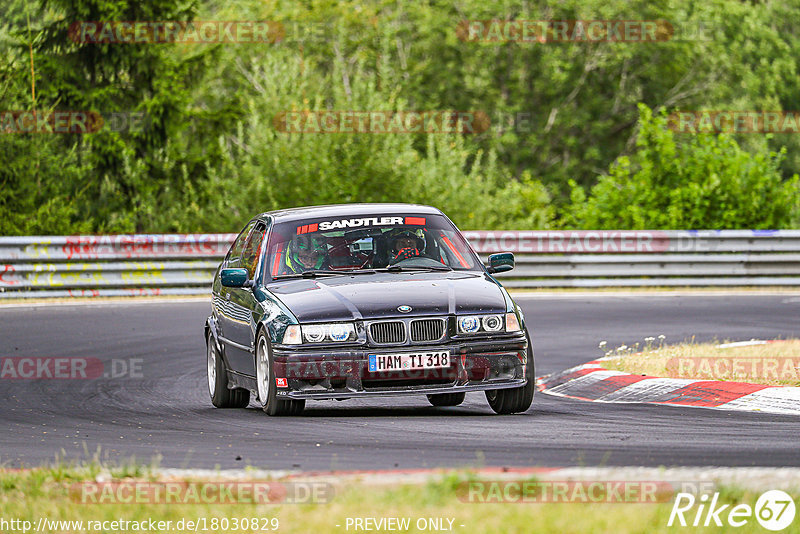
[427, 329]
[388, 332]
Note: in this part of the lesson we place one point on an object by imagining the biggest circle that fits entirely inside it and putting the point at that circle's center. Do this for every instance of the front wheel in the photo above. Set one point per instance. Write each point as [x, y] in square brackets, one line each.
[267, 389]
[446, 399]
[221, 396]
[515, 400]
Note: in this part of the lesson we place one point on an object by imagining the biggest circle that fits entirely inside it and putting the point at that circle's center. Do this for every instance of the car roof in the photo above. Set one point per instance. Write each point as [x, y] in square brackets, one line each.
[348, 210]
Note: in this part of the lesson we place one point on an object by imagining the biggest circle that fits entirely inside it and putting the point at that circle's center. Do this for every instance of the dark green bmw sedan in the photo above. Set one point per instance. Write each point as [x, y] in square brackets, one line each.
[363, 300]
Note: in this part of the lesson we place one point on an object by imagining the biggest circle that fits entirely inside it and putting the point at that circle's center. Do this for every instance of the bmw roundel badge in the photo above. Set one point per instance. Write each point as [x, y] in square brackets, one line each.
[404, 308]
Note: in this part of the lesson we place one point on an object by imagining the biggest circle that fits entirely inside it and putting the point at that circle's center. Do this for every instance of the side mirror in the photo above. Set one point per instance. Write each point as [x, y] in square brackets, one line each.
[500, 263]
[233, 277]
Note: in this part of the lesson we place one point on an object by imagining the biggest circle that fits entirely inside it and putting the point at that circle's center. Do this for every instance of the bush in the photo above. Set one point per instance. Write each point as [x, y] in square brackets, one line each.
[687, 181]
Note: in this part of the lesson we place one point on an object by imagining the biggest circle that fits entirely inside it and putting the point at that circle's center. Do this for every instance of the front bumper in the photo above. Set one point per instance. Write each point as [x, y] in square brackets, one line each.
[475, 365]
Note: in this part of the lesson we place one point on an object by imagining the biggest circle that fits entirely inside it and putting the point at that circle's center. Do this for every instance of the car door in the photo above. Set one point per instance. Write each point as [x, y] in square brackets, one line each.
[242, 306]
[223, 309]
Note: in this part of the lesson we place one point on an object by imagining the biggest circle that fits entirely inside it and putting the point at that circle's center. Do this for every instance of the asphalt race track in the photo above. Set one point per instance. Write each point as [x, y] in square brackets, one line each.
[168, 412]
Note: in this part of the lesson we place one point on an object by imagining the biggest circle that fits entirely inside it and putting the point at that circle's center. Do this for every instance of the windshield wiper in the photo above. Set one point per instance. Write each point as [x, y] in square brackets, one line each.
[314, 273]
[401, 269]
[322, 272]
[310, 274]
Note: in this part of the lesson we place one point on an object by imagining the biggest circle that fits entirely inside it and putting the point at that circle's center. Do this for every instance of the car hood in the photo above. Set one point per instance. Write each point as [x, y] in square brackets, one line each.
[375, 296]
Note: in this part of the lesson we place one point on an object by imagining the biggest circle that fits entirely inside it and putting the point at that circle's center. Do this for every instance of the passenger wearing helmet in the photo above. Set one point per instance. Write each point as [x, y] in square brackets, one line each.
[305, 253]
[404, 244]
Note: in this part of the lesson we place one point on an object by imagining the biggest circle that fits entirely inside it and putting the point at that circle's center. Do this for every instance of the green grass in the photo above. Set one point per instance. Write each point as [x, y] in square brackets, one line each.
[29, 495]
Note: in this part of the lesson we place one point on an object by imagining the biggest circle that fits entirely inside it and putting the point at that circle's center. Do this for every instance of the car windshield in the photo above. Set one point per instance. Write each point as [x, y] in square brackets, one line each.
[365, 243]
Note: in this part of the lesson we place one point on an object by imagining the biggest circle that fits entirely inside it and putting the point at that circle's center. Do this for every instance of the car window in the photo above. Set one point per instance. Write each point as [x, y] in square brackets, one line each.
[252, 248]
[367, 242]
[233, 259]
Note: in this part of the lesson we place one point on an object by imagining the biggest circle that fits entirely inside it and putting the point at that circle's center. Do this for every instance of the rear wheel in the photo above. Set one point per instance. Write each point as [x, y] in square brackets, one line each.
[446, 399]
[515, 400]
[265, 378]
[221, 396]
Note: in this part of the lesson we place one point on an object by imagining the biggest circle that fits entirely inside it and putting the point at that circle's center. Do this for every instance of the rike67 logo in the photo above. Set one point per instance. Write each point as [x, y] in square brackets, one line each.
[774, 510]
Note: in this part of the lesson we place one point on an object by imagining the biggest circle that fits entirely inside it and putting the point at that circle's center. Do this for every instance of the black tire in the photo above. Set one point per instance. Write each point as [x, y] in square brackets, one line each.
[515, 400]
[217, 375]
[265, 378]
[446, 399]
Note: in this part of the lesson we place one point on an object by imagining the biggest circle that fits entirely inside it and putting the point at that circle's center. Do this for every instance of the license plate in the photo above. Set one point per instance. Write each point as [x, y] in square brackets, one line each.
[409, 362]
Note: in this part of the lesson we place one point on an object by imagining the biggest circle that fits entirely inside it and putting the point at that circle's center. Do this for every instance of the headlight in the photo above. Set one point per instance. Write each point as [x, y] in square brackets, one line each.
[469, 325]
[473, 324]
[313, 333]
[322, 333]
[341, 332]
[492, 323]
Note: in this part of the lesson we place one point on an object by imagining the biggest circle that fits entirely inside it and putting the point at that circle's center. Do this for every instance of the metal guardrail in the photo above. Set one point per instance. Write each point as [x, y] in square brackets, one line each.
[182, 264]
[647, 257]
[110, 265]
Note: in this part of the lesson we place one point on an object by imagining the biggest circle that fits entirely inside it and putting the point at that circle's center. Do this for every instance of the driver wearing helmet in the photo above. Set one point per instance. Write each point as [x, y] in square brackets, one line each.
[404, 244]
[305, 253]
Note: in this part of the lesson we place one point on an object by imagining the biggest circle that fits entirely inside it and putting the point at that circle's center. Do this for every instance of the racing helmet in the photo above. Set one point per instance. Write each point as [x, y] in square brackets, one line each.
[394, 236]
[305, 252]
